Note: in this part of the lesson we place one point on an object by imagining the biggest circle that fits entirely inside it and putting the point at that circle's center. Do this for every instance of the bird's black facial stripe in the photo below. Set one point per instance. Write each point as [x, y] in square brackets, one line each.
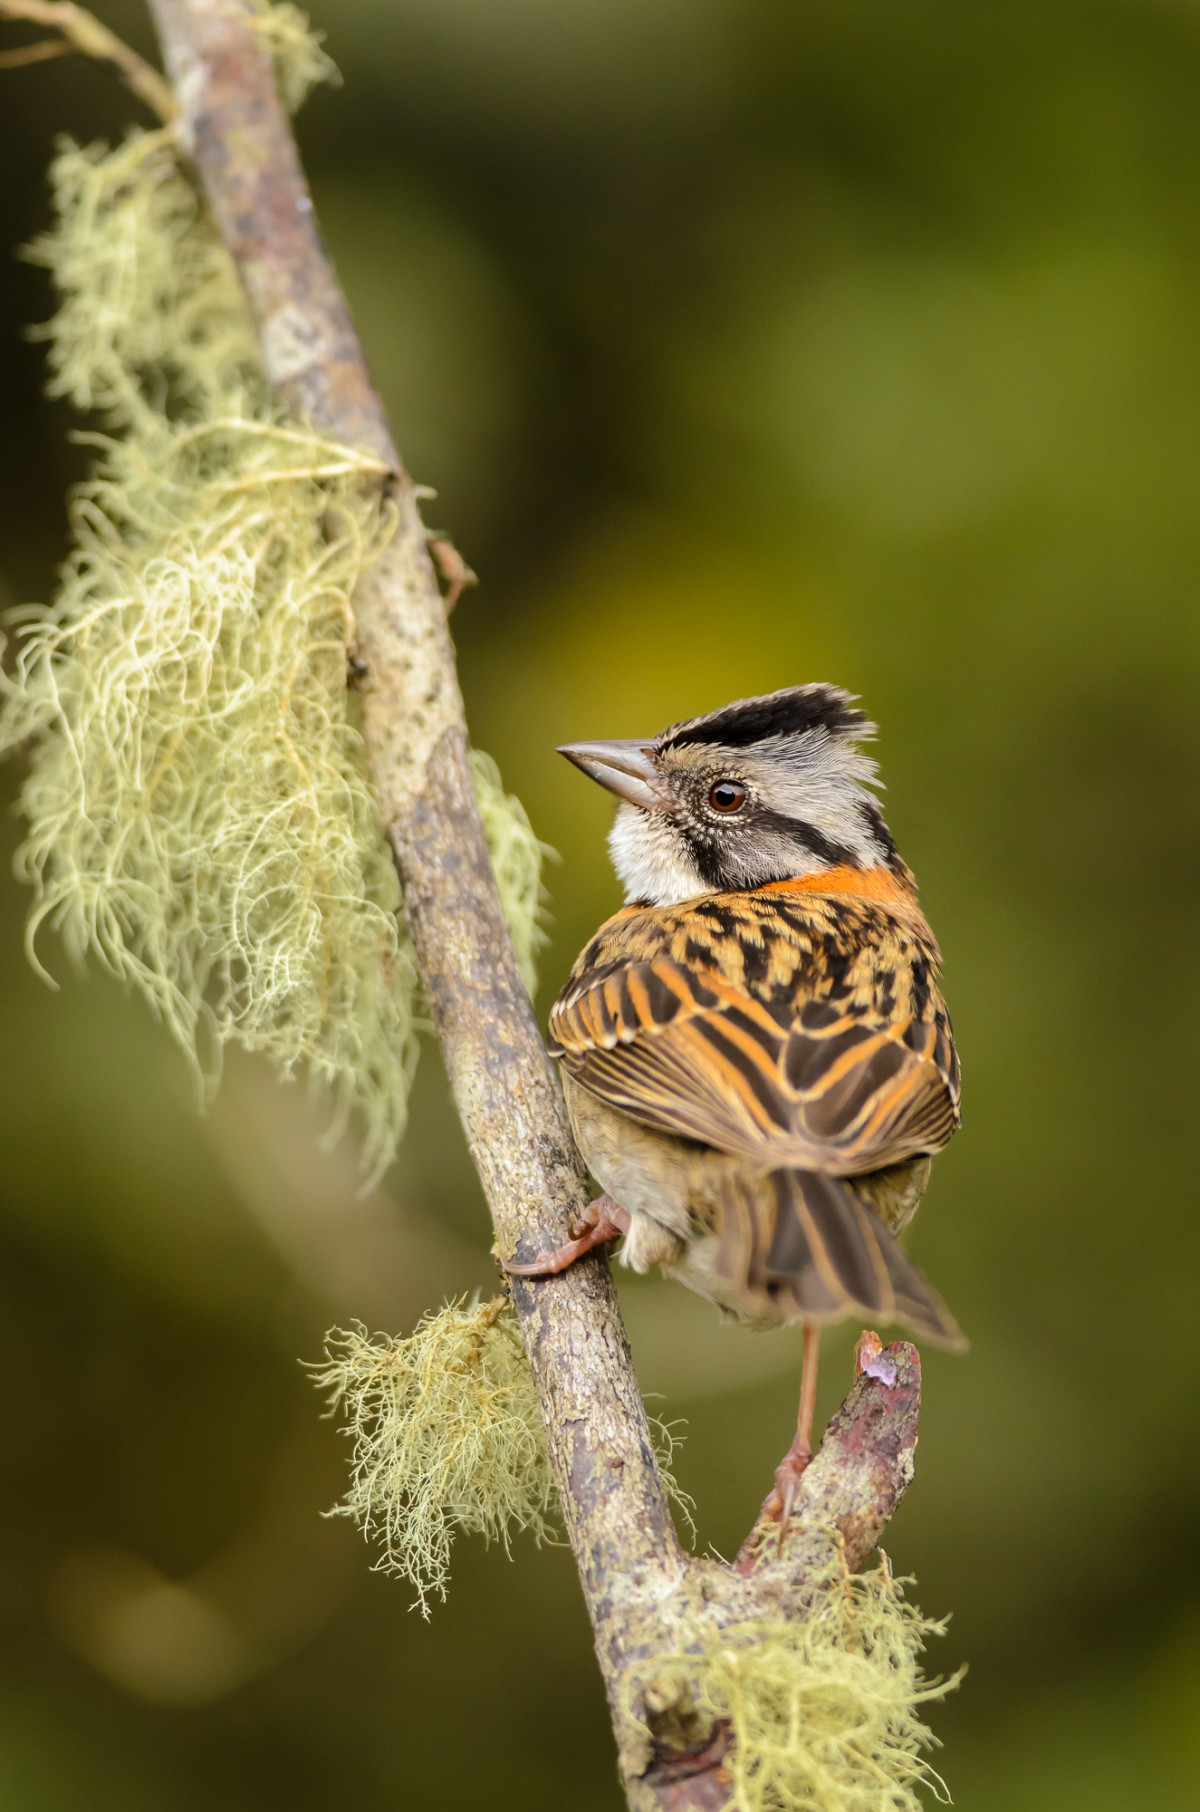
[808, 838]
[715, 854]
[789, 713]
[711, 863]
[880, 834]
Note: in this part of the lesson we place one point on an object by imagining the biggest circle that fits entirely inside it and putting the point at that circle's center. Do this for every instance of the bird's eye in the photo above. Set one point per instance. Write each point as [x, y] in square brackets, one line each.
[727, 796]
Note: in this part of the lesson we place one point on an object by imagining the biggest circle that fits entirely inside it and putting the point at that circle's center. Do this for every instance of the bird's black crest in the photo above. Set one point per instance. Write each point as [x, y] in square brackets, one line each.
[786, 713]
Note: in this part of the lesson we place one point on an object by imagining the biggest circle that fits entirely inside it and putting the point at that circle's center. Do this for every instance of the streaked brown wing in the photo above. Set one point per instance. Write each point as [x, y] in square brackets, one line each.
[820, 1087]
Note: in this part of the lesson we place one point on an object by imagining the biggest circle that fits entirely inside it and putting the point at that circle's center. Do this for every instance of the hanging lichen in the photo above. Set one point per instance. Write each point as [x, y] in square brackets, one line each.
[200, 816]
[823, 1710]
[517, 858]
[301, 61]
[448, 1436]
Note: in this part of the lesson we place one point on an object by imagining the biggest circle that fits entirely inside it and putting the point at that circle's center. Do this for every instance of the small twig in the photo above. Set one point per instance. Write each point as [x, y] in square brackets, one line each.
[452, 569]
[343, 469]
[41, 52]
[81, 31]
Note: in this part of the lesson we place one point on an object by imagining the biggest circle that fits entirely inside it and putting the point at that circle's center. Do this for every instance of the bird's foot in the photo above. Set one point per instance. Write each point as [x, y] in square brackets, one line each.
[796, 1460]
[601, 1221]
[790, 1470]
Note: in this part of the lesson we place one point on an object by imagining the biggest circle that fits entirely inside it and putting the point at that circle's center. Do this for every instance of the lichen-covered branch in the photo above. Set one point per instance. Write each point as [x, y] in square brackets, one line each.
[647, 1600]
[237, 135]
[857, 1478]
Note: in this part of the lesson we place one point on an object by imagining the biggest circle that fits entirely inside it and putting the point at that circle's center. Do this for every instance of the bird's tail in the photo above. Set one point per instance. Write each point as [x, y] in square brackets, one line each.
[811, 1250]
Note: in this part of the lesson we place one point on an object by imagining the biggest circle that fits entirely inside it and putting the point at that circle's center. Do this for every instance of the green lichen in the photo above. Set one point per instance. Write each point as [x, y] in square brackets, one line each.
[301, 62]
[824, 1710]
[448, 1436]
[200, 817]
[517, 858]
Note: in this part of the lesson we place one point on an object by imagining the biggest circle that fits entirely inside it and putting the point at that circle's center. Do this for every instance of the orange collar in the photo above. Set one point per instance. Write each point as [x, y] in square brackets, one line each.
[865, 883]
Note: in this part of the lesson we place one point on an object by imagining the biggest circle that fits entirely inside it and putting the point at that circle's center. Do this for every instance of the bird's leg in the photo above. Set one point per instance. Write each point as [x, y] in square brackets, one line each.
[794, 1464]
[600, 1221]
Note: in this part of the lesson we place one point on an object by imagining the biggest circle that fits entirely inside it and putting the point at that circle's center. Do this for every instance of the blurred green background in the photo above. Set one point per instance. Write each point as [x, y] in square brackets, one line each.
[745, 344]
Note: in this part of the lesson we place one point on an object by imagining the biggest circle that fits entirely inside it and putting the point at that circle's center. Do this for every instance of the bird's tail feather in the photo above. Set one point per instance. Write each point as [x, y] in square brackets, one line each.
[813, 1251]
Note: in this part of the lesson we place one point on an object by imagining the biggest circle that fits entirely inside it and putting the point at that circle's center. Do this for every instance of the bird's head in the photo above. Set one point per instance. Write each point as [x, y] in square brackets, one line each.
[765, 789]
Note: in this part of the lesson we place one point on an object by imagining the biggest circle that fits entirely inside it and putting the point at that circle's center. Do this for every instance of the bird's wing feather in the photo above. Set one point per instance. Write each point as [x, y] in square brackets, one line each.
[819, 1086]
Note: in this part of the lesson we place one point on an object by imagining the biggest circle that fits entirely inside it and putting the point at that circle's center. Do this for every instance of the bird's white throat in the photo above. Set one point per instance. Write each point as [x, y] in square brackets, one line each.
[651, 858]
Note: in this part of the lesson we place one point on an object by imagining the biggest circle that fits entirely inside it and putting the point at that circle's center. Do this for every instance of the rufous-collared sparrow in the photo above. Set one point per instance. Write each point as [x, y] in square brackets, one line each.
[757, 1059]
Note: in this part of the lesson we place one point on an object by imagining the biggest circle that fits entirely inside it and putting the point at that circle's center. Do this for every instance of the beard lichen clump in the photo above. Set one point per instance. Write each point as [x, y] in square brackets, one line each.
[517, 856]
[447, 1435]
[824, 1710]
[199, 811]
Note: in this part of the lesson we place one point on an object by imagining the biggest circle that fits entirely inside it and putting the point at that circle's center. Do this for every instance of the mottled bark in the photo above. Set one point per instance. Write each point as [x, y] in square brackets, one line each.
[860, 1472]
[643, 1594]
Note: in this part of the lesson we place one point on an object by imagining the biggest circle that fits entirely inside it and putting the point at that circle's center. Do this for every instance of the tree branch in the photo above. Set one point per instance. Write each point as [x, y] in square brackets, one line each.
[859, 1474]
[642, 1593]
[236, 132]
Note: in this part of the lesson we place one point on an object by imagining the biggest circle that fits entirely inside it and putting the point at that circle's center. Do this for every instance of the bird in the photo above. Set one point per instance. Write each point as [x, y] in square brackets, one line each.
[757, 1060]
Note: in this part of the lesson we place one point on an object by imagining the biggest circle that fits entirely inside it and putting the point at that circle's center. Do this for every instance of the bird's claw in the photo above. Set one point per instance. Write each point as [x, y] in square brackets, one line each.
[601, 1221]
[788, 1474]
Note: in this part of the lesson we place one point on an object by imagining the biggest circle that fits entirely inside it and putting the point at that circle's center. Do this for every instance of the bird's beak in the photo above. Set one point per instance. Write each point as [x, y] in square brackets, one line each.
[625, 768]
